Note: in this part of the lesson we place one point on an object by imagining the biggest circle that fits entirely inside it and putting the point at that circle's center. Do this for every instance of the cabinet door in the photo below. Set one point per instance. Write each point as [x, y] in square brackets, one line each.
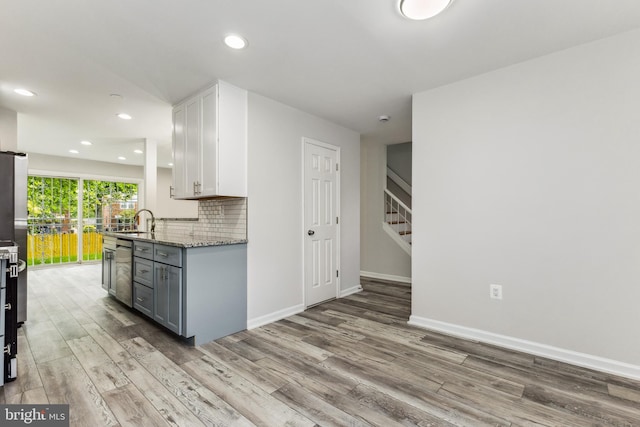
[209, 147]
[112, 272]
[109, 271]
[168, 296]
[179, 152]
[161, 293]
[192, 141]
[106, 273]
[174, 310]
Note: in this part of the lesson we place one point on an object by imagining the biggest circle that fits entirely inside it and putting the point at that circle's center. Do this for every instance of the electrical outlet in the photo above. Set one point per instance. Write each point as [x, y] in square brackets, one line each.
[495, 291]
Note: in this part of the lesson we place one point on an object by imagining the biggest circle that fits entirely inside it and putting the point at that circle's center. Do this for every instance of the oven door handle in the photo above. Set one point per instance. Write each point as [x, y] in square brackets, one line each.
[14, 269]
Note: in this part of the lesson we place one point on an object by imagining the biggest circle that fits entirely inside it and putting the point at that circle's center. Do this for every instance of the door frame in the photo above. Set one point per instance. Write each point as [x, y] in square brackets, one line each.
[303, 229]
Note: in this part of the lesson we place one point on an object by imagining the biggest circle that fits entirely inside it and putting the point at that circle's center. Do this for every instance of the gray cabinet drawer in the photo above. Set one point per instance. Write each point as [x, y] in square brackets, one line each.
[143, 271]
[143, 299]
[143, 249]
[171, 255]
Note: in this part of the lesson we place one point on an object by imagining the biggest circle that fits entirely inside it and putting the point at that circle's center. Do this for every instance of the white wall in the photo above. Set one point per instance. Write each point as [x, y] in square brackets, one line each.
[275, 263]
[8, 130]
[399, 160]
[167, 207]
[529, 177]
[380, 255]
[70, 167]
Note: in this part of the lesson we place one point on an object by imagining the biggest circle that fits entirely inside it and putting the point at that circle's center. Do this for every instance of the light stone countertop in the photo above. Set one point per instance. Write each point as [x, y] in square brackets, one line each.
[176, 239]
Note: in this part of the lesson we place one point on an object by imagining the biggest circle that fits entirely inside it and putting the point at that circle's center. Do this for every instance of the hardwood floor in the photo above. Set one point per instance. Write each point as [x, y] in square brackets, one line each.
[348, 362]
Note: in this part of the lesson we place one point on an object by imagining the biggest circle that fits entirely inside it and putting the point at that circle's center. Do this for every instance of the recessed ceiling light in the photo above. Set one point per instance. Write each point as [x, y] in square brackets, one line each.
[85, 142]
[138, 151]
[122, 158]
[24, 92]
[124, 116]
[422, 9]
[235, 41]
[74, 151]
[170, 164]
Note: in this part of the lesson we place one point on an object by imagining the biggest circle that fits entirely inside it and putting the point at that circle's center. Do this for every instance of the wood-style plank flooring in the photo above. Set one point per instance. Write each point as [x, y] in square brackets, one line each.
[349, 362]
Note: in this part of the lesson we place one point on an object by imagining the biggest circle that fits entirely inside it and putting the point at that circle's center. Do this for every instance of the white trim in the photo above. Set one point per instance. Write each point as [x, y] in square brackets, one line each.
[396, 237]
[389, 277]
[350, 291]
[275, 316]
[399, 181]
[109, 178]
[563, 355]
[303, 233]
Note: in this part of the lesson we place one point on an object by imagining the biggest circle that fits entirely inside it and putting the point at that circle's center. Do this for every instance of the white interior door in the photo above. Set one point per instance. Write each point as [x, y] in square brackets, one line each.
[321, 222]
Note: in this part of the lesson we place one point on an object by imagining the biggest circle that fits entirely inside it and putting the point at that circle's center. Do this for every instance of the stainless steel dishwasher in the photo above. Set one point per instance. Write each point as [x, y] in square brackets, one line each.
[124, 280]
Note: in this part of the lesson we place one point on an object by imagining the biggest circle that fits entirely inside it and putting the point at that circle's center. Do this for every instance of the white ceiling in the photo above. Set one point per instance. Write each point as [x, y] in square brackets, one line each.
[347, 61]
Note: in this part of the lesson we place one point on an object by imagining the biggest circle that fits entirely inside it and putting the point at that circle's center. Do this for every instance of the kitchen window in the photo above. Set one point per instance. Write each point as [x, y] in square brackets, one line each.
[67, 217]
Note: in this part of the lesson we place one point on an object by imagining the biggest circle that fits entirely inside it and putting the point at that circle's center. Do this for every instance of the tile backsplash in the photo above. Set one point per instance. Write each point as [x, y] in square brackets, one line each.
[217, 219]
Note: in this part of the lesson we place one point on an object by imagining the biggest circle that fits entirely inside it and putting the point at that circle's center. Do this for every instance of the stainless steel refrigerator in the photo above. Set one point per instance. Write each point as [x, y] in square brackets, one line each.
[13, 216]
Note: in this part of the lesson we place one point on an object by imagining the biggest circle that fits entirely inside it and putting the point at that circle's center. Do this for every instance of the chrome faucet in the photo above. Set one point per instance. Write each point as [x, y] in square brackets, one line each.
[153, 219]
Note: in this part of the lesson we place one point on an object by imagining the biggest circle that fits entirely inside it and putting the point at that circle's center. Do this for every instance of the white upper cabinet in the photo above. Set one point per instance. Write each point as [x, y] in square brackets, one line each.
[210, 144]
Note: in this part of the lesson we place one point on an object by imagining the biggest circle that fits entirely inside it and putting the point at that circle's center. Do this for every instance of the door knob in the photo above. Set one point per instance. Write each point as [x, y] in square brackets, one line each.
[311, 232]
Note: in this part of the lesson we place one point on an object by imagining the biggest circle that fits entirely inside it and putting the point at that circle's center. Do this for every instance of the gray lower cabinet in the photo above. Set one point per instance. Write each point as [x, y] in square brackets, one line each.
[109, 264]
[168, 297]
[199, 293]
[215, 292]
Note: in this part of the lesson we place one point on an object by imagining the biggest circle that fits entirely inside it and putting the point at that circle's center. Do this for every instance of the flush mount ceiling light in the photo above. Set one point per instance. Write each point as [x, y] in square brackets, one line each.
[235, 41]
[422, 9]
[124, 116]
[24, 92]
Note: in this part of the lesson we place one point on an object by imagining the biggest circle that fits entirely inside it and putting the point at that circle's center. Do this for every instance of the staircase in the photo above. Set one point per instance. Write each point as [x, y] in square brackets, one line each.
[397, 220]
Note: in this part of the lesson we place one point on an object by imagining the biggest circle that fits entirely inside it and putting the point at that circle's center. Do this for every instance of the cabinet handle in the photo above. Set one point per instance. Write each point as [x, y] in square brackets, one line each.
[171, 192]
[142, 249]
[197, 187]
[140, 299]
[162, 254]
[144, 271]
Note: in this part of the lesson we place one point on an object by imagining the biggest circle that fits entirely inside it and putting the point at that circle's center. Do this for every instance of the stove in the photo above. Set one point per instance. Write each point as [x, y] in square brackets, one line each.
[10, 266]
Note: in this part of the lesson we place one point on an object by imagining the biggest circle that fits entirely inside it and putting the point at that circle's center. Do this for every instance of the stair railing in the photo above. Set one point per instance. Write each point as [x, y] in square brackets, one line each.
[400, 213]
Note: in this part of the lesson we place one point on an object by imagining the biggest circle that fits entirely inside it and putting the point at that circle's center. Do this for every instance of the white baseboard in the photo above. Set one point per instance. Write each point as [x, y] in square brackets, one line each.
[352, 290]
[568, 356]
[290, 311]
[389, 277]
[275, 316]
